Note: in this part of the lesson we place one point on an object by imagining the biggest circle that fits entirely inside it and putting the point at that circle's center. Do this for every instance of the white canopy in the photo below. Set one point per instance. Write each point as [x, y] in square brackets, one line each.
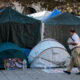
[40, 15]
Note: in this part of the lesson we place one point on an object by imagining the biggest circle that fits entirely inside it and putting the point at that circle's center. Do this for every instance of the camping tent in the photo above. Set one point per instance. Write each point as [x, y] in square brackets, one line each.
[49, 53]
[19, 29]
[58, 27]
[55, 12]
[10, 50]
[40, 15]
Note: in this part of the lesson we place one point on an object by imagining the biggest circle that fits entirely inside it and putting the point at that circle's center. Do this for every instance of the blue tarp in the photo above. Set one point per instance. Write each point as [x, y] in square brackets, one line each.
[26, 51]
[55, 12]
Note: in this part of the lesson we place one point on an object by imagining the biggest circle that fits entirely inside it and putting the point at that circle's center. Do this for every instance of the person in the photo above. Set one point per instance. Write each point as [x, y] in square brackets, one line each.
[74, 45]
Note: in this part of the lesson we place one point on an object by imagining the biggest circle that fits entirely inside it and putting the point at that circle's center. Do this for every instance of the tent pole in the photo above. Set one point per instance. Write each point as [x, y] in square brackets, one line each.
[42, 31]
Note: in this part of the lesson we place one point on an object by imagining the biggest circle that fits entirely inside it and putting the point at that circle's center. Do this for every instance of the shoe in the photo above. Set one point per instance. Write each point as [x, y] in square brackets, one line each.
[67, 72]
[78, 73]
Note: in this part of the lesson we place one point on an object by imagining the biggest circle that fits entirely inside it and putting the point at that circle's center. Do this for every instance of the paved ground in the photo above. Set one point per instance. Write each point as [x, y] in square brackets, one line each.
[35, 74]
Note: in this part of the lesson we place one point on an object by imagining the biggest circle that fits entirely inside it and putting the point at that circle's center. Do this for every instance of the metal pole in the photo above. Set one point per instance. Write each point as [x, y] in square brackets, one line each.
[42, 31]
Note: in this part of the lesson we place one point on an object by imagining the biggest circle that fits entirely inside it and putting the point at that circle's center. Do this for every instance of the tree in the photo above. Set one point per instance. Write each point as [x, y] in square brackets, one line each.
[49, 4]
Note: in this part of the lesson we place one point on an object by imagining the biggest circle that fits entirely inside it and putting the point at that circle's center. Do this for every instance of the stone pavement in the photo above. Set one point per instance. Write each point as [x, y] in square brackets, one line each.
[35, 74]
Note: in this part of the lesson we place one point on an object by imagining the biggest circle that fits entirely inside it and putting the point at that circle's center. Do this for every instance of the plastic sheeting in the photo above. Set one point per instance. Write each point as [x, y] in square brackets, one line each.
[54, 13]
[59, 70]
[26, 51]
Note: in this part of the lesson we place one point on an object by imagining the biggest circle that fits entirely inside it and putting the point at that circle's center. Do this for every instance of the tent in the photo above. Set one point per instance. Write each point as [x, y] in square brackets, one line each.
[40, 15]
[55, 12]
[19, 29]
[58, 27]
[49, 53]
[10, 50]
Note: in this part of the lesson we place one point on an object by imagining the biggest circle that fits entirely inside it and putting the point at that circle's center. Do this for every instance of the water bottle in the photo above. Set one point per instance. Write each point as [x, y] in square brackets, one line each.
[24, 64]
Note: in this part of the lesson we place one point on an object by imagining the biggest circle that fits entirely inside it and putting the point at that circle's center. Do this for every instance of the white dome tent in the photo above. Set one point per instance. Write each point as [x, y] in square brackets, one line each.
[49, 53]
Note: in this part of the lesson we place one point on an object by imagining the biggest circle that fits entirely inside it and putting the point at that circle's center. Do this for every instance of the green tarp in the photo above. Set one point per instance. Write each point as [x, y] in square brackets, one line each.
[19, 29]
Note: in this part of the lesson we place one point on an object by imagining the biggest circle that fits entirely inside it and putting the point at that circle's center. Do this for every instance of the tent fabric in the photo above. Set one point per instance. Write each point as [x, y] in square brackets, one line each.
[58, 27]
[11, 15]
[19, 29]
[55, 12]
[8, 45]
[10, 50]
[26, 51]
[40, 15]
[1, 10]
[47, 53]
[63, 19]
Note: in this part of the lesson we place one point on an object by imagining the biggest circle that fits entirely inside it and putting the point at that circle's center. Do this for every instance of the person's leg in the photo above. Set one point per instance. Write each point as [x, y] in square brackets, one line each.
[78, 64]
[71, 65]
[77, 58]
